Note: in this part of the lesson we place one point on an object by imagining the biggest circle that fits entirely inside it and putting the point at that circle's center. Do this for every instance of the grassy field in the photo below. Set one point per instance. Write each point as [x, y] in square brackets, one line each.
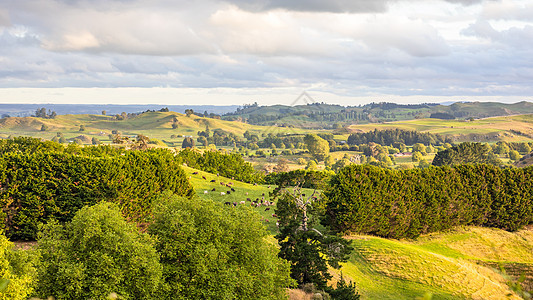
[459, 264]
[497, 128]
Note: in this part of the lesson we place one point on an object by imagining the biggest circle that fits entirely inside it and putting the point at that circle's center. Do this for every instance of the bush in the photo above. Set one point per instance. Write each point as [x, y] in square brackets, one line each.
[17, 270]
[214, 252]
[95, 255]
[407, 203]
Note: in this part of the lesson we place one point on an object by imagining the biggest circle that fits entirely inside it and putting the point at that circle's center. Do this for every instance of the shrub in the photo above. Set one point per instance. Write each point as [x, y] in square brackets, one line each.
[95, 255]
[214, 252]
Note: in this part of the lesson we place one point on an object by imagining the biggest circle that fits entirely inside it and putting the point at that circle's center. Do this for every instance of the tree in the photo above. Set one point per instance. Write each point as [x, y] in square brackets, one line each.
[188, 142]
[17, 272]
[308, 250]
[141, 143]
[467, 153]
[417, 156]
[344, 291]
[96, 254]
[202, 140]
[420, 148]
[44, 127]
[329, 161]
[301, 161]
[524, 148]
[311, 165]
[213, 252]
[317, 146]
[514, 155]
[189, 112]
[82, 128]
[95, 141]
[104, 112]
[281, 166]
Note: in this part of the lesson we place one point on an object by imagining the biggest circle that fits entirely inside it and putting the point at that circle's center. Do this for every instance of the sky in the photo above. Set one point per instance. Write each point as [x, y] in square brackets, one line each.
[347, 52]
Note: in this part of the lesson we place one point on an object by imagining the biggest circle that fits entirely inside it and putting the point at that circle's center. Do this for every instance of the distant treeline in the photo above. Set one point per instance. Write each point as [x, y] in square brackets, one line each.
[390, 136]
[228, 165]
[44, 180]
[407, 203]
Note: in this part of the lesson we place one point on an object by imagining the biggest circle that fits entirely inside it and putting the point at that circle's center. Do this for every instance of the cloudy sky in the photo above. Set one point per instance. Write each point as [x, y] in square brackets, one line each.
[269, 51]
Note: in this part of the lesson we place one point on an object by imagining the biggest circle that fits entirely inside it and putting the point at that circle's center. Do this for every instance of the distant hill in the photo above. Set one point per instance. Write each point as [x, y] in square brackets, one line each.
[321, 115]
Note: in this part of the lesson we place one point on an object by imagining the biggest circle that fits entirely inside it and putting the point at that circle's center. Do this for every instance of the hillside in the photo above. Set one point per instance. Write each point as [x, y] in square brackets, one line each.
[509, 128]
[468, 263]
[155, 125]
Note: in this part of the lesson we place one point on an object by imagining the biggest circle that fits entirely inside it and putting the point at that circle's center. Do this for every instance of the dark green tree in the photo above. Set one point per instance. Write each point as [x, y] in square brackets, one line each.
[308, 250]
[82, 128]
[317, 146]
[188, 142]
[344, 291]
[466, 153]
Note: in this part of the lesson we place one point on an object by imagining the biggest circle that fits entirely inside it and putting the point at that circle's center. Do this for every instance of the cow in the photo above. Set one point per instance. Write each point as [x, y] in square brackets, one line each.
[204, 178]
[213, 190]
[232, 189]
[194, 173]
[222, 193]
[205, 192]
[212, 180]
[228, 192]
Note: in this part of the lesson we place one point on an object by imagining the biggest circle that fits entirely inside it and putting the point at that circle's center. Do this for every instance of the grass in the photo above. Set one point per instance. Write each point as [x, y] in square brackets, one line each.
[444, 265]
[496, 128]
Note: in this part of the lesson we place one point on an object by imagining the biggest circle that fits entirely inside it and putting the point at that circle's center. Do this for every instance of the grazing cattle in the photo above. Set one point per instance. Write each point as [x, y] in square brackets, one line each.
[266, 220]
[222, 183]
[303, 195]
[234, 203]
[205, 192]
[248, 199]
[274, 216]
[255, 183]
[232, 189]
[227, 185]
[268, 208]
[204, 178]
[242, 202]
[213, 190]
[269, 186]
[222, 193]
[212, 180]
[227, 203]
[263, 194]
[228, 192]
[246, 193]
[194, 173]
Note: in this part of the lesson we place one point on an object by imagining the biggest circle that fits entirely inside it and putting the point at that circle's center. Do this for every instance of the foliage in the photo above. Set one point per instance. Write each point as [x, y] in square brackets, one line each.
[514, 155]
[391, 137]
[308, 250]
[344, 291]
[304, 178]
[317, 146]
[407, 203]
[214, 252]
[49, 184]
[467, 153]
[17, 271]
[188, 142]
[97, 254]
[228, 165]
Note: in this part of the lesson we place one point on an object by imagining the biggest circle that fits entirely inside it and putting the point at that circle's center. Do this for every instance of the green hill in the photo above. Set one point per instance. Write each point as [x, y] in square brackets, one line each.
[469, 263]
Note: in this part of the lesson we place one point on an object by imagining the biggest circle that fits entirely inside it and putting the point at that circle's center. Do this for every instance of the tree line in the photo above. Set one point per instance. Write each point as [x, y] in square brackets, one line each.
[389, 137]
[407, 203]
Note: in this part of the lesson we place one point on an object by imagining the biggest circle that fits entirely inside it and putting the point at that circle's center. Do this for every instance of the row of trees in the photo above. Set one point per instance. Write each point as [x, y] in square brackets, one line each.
[389, 137]
[407, 203]
[45, 180]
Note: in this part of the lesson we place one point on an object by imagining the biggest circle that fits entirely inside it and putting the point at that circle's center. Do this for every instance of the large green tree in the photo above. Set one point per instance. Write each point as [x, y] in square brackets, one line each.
[214, 252]
[96, 255]
[317, 146]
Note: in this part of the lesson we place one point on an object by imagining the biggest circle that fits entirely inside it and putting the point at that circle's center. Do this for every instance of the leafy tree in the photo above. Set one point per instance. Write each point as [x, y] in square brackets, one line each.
[82, 128]
[524, 148]
[301, 161]
[175, 125]
[317, 146]
[214, 252]
[78, 141]
[502, 148]
[44, 127]
[95, 141]
[141, 143]
[420, 148]
[311, 165]
[17, 271]
[329, 161]
[308, 250]
[467, 153]
[63, 140]
[281, 166]
[188, 142]
[514, 155]
[189, 112]
[417, 156]
[104, 112]
[202, 140]
[97, 254]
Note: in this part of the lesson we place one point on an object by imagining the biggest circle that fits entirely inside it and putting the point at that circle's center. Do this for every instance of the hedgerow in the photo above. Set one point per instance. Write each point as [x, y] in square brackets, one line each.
[407, 203]
[43, 185]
